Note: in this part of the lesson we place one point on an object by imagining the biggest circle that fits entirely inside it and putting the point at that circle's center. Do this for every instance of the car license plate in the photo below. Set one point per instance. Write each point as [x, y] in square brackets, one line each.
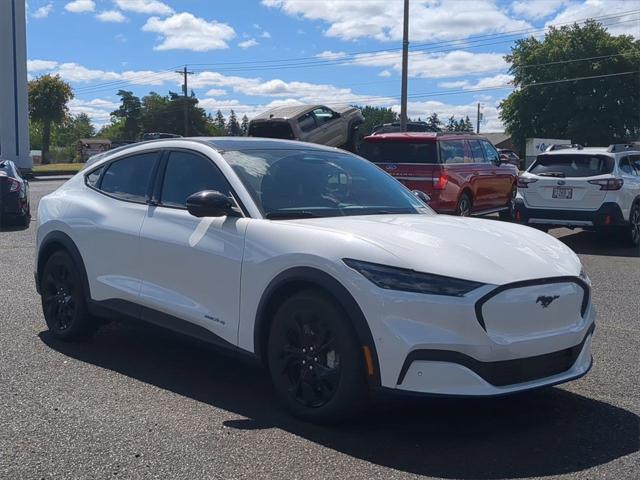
[565, 193]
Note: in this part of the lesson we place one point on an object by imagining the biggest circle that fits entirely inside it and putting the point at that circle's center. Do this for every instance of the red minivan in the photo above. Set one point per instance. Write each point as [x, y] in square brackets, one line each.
[461, 172]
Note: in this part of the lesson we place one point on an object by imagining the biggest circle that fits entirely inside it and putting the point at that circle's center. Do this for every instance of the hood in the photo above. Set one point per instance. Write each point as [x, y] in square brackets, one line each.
[487, 251]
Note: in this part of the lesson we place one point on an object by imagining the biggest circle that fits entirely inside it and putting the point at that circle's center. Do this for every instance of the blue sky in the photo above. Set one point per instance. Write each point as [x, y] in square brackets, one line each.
[252, 54]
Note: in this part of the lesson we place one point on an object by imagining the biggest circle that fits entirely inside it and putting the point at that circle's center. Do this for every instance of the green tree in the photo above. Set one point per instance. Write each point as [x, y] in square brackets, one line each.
[452, 124]
[594, 111]
[219, 121]
[130, 111]
[113, 131]
[233, 126]
[434, 122]
[244, 126]
[376, 116]
[48, 99]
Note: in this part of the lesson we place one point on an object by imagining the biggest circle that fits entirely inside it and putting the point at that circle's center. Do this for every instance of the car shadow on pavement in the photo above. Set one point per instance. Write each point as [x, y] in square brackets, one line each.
[591, 243]
[547, 432]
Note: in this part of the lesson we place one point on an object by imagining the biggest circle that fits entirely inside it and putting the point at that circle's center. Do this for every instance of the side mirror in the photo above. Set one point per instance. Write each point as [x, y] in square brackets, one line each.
[210, 203]
[422, 196]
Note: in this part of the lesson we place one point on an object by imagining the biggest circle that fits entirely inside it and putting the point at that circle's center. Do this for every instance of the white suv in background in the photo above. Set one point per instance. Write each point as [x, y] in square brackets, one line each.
[592, 188]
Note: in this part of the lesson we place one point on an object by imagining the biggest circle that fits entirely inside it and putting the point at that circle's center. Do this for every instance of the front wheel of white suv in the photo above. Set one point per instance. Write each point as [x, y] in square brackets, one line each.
[315, 362]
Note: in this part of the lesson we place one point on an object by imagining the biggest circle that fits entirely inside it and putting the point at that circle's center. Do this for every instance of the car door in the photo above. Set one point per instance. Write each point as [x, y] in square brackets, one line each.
[330, 128]
[191, 266]
[106, 226]
[501, 177]
[482, 176]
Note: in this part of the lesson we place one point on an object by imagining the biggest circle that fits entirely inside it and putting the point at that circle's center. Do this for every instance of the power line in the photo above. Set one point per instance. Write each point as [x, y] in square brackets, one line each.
[342, 60]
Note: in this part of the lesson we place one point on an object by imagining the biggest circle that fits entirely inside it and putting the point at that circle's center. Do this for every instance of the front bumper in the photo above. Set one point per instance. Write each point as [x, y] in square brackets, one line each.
[609, 214]
[494, 341]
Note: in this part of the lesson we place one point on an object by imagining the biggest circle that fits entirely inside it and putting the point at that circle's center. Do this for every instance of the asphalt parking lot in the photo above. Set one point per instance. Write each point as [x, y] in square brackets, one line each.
[135, 403]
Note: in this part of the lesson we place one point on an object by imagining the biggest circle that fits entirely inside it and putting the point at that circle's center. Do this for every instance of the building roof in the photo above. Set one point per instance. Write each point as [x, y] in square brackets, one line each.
[497, 137]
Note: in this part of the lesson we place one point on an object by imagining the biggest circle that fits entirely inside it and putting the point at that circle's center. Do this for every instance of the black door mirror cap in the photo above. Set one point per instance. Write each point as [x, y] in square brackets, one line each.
[210, 203]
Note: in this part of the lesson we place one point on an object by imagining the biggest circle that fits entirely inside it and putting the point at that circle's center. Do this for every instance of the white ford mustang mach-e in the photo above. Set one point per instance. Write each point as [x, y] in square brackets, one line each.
[318, 264]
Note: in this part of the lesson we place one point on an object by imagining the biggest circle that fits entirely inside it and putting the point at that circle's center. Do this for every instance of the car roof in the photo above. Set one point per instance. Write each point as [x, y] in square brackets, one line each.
[422, 136]
[573, 151]
[285, 112]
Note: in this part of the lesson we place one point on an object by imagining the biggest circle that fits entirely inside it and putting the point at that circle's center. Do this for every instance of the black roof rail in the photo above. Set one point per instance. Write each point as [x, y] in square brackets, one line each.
[452, 132]
[622, 147]
[563, 146]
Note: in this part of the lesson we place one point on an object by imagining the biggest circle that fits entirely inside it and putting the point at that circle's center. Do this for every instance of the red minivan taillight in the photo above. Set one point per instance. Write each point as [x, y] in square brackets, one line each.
[440, 180]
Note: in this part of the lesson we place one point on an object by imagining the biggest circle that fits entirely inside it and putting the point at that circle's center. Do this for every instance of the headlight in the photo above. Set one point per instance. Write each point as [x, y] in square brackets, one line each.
[393, 278]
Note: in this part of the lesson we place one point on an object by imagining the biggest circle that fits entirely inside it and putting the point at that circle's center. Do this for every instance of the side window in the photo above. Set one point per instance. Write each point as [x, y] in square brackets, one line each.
[452, 151]
[188, 173]
[129, 178]
[477, 152]
[635, 162]
[307, 122]
[92, 179]
[490, 152]
[323, 115]
[625, 166]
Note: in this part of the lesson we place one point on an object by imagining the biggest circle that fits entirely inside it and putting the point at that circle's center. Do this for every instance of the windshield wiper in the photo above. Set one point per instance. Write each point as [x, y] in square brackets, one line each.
[291, 214]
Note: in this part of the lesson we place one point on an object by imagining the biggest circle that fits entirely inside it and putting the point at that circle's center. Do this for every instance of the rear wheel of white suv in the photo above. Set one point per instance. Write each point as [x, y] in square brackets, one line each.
[634, 225]
[63, 301]
[314, 359]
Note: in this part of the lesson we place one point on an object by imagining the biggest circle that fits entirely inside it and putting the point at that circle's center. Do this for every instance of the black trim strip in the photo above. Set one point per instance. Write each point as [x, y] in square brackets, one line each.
[529, 283]
[504, 372]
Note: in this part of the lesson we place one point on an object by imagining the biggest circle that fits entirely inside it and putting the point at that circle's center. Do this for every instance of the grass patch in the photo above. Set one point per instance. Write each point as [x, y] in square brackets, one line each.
[57, 168]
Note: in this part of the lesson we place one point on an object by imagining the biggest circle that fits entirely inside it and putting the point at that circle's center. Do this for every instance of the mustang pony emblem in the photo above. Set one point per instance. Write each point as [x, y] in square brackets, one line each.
[546, 301]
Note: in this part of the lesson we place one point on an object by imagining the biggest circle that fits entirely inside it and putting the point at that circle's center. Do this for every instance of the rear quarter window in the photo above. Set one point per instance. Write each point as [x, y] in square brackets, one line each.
[399, 152]
[572, 165]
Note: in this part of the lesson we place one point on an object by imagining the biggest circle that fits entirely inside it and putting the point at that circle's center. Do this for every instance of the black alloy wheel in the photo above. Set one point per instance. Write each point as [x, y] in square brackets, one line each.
[63, 302]
[509, 215]
[634, 225]
[314, 360]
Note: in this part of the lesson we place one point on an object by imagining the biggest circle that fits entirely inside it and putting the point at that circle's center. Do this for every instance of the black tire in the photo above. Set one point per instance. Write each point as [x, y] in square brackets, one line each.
[633, 234]
[315, 362]
[509, 215]
[63, 300]
[464, 206]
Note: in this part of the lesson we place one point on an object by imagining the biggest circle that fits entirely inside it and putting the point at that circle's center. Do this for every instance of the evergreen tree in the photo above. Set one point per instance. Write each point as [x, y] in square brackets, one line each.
[434, 122]
[219, 121]
[244, 126]
[233, 127]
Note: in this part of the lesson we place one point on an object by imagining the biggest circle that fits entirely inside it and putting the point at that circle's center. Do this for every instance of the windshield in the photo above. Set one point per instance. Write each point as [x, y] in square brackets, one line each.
[311, 183]
[570, 165]
[399, 152]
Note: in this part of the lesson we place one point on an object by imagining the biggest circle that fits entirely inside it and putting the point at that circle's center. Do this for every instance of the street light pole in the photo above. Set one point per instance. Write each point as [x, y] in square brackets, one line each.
[185, 91]
[405, 68]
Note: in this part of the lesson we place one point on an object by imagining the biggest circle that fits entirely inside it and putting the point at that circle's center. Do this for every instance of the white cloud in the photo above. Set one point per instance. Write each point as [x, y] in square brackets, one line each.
[40, 65]
[80, 6]
[381, 19]
[457, 63]
[248, 43]
[537, 9]
[44, 11]
[98, 110]
[500, 80]
[216, 92]
[184, 31]
[265, 34]
[112, 16]
[329, 55]
[151, 7]
[624, 25]
[384, 73]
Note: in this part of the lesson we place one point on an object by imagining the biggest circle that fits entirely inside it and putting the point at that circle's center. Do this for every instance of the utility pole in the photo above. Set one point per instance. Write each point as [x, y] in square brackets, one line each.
[185, 91]
[478, 119]
[405, 68]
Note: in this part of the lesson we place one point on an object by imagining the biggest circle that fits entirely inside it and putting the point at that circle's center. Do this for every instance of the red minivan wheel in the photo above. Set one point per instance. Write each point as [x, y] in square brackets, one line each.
[464, 206]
